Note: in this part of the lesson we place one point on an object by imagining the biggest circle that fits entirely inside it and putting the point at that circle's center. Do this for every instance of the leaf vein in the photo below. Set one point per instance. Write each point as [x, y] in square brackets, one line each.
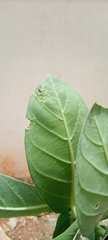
[101, 140]
[47, 176]
[49, 154]
[18, 196]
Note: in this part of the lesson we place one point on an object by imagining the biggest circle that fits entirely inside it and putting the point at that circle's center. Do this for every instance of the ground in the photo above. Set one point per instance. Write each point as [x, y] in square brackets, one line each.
[28, 228]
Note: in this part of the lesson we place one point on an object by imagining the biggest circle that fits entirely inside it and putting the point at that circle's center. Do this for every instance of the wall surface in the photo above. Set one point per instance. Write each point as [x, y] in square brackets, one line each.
[68, 39]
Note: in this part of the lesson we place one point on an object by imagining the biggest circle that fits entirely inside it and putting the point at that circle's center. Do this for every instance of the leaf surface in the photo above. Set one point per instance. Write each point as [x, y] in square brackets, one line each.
[72, 233]
[92, 170]
[19, 199]
[63, 222]
[56, 113]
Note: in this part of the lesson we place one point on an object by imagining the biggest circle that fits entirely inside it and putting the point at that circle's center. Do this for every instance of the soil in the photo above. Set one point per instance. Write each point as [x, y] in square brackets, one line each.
[29, 228]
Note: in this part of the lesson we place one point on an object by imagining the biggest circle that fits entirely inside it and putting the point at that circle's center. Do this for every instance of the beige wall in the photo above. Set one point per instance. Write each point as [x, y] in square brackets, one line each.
[66, 38]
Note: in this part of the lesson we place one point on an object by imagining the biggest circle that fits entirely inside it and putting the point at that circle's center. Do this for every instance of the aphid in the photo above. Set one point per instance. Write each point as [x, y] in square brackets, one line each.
[40, 94]
[40, 91]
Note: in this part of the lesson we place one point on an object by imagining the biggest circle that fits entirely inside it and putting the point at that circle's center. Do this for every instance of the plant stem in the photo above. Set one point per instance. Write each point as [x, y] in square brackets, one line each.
[100, 231]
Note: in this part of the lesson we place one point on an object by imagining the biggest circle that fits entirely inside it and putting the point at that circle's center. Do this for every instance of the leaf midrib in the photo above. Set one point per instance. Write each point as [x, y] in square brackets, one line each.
[24, 208]
[72, 200]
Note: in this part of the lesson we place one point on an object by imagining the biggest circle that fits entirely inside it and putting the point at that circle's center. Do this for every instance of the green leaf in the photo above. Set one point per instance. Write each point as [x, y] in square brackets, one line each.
[105, 235]
[91, 188]
[72, 233]
[63, 222]
[19, 199]
[56, 113]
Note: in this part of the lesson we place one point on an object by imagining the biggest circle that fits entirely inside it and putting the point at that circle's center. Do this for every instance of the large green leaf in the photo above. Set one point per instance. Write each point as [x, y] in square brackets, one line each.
[19, 199]
[56, 113]
[72, 233]
[92, 170]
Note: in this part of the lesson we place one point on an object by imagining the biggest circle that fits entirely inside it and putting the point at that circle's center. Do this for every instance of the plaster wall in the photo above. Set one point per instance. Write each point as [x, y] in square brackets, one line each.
[68, 39]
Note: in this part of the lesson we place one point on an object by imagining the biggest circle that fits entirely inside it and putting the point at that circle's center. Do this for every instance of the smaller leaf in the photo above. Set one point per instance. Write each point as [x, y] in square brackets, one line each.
[99, 231]
[63, 222]
[105, 235]
[72, 233]
[20, 199]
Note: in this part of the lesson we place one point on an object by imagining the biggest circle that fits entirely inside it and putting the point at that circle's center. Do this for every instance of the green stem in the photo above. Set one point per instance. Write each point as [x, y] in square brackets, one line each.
[100, 231]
